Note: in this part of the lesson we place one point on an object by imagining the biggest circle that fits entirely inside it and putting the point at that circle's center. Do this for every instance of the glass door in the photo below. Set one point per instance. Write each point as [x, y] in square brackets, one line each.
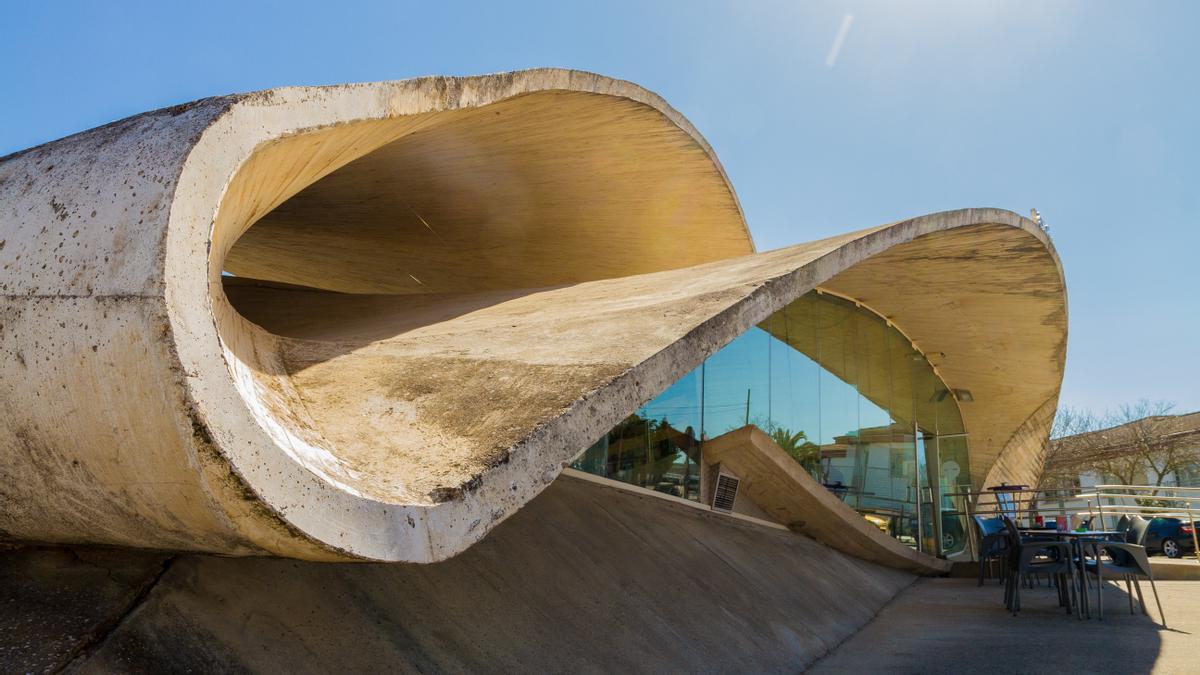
[927, 491]
[941, 459]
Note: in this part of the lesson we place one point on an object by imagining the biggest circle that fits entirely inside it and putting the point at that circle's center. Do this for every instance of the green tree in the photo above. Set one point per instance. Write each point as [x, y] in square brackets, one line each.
[796, 444]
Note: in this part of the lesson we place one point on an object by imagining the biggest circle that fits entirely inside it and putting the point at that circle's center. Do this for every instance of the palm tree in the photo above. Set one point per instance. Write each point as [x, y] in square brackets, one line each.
[796, 444]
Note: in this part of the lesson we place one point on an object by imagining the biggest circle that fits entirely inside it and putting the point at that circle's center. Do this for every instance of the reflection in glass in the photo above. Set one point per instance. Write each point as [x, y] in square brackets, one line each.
[836, 387]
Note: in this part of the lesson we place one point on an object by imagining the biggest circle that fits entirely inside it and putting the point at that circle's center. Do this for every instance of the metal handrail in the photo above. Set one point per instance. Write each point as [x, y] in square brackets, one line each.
[1111, 495]
[1149, 487]
[1023, 499]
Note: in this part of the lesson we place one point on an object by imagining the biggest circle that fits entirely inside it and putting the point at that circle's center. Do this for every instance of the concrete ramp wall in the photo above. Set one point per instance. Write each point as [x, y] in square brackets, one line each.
[586, 578]
[779, 486]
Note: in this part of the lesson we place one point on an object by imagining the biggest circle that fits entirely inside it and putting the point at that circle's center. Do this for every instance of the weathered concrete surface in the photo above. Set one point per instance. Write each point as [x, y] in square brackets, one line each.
[990, 320]
[587, 578]
[952, 626]
[57, 603]
[471, 393]
[785, 491]
[143, 403]
[127, 416]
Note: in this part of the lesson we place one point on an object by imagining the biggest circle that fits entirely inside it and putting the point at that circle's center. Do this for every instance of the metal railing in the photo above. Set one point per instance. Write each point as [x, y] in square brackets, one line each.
[1024, 504]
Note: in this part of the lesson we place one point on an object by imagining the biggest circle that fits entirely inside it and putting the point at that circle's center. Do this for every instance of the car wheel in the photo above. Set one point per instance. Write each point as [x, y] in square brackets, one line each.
[951, 542]
[1171, 549]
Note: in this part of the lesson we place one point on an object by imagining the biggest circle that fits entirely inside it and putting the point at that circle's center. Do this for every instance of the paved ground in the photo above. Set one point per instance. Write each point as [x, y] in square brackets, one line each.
[951, 625]
[1180, 569]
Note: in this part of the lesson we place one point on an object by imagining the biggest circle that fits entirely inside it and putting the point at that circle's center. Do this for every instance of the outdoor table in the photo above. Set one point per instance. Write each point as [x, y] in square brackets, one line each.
[840, 489]
[1076, 539]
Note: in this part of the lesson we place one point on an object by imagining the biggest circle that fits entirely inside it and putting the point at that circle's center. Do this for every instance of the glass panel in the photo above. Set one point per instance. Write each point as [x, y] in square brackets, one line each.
[954, 477]
[839, 390]
[926, 524]
[658, 447]
[795, 402]
[737, 388]
[673, 427]
[844, 464]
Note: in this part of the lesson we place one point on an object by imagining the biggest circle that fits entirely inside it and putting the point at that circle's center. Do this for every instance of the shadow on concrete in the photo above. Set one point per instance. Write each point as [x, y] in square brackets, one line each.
[349, 319]
[952, 625]
[586, 577]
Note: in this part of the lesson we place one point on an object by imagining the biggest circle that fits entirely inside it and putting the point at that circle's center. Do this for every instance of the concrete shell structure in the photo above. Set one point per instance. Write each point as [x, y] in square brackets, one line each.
[368, 322]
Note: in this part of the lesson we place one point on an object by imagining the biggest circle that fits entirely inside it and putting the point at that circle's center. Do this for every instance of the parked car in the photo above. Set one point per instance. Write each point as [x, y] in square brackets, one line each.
[953, 537]
[1170, 536]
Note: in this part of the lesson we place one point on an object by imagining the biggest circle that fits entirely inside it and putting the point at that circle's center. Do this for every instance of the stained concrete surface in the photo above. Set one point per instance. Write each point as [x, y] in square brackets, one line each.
[953, 626]
[586, 578]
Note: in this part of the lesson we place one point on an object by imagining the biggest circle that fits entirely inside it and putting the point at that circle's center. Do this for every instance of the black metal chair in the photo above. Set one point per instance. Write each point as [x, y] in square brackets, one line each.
[1127, 560]
[993, 543]
[1033, 556]
[1122, 525]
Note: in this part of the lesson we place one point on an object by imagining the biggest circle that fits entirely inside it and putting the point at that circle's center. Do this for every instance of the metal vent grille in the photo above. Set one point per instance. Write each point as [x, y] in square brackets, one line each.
[726, 493]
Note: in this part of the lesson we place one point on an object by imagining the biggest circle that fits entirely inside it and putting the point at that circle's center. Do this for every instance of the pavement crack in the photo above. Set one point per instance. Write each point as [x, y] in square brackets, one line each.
[103, 629]
[916, 581]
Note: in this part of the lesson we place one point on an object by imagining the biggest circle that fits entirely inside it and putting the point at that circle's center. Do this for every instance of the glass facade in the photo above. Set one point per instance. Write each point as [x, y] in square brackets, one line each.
[838, 389]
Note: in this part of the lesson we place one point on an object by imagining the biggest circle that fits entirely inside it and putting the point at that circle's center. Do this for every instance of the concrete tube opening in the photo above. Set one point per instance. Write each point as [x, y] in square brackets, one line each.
[371, 232]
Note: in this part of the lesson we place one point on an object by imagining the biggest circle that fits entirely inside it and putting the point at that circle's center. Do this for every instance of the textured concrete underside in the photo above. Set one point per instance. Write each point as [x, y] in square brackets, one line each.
[422, 395]
[585, 578]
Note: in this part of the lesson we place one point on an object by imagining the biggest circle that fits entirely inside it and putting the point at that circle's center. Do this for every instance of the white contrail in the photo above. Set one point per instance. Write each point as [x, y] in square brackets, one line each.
[838, 41]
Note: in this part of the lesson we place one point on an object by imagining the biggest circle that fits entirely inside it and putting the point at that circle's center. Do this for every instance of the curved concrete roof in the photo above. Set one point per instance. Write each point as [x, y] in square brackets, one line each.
[403, 372]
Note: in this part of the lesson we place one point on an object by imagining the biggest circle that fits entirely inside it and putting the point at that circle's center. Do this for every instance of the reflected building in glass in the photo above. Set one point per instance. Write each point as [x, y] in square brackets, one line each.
[838, 389]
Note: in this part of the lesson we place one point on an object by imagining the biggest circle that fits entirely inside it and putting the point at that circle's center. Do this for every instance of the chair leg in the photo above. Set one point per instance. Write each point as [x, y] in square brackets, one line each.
[1161, 617]
[1085, 593]
[1065, 591]
[1078, 593]
[1141, 600]
[1014, 604]
[1129, 592]
[980, 572]
[1008, 595]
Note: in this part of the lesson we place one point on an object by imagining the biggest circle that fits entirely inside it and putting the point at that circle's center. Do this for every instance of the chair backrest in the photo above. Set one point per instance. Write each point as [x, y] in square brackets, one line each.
[1014, 535]
[989, 526]
[1119, 557]
[1130, 555]
[1139, 527]
[1122, 524]
[992, 538]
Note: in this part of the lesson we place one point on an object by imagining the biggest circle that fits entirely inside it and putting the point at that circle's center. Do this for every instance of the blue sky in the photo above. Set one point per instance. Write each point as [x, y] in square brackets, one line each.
[1088, 111]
